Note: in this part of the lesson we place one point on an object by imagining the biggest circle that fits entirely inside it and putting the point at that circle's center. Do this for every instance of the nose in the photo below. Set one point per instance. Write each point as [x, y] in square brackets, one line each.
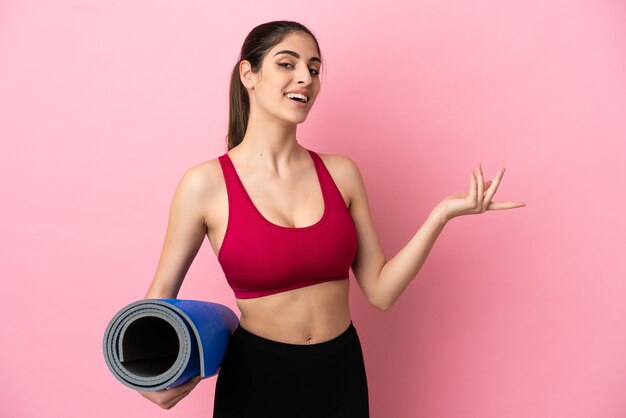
[304, 76]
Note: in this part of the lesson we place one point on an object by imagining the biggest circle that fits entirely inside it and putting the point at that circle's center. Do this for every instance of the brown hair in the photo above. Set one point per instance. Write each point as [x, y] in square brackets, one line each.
[256, 45]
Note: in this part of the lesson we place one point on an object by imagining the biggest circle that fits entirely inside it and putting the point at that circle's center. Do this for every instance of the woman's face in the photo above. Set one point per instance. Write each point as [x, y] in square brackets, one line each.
[292, 66]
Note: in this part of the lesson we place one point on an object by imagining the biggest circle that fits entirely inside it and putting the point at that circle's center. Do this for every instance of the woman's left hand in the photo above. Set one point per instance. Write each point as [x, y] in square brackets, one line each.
[477, 200]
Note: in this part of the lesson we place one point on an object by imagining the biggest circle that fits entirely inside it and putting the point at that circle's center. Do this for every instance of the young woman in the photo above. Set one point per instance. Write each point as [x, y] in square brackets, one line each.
[287, 224]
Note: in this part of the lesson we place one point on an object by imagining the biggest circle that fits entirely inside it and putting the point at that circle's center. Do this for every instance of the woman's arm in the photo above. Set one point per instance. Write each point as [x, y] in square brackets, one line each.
[185, 233]
[383, 281]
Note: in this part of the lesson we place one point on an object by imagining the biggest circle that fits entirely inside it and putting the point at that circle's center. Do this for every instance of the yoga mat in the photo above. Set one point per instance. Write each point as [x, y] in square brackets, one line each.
[156, 344]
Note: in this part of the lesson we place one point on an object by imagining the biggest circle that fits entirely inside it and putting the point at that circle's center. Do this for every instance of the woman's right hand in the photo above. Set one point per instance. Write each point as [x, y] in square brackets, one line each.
[168, 398]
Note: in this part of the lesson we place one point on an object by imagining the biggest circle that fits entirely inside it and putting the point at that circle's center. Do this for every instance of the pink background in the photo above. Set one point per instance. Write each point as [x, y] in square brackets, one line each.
[104, 104]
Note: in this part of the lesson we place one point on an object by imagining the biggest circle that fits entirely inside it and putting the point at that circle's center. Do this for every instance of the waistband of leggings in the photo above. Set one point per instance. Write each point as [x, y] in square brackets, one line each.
[322, 349]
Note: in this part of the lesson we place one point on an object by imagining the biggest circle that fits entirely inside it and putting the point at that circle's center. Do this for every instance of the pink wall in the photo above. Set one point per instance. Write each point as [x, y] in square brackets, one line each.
[516, 314]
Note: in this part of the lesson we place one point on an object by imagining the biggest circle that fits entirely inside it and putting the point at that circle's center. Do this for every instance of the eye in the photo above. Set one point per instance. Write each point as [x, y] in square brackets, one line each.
[314, 72]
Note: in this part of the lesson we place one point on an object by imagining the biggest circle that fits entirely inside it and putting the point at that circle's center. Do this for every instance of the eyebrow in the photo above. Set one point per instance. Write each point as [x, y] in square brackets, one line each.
[295, 54]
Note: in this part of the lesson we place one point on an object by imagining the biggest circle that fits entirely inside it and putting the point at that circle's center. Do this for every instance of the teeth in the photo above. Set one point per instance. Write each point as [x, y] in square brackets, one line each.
[298, 96]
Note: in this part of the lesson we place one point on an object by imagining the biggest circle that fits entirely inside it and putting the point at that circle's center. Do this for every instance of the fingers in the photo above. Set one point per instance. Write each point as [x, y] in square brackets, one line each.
[481, 192]
[192, 383]
[185, 387]
[176, 394]
[505, 205]
[472, 189]
[172, 402]
[492, 189]
[168, 398]
[480, 187]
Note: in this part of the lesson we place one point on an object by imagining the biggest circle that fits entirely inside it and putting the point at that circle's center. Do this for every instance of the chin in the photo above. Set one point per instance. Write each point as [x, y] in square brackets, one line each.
[295, 120]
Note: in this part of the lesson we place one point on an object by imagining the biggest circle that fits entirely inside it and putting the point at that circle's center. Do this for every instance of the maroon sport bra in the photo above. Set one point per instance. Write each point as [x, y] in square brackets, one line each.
[260, 258]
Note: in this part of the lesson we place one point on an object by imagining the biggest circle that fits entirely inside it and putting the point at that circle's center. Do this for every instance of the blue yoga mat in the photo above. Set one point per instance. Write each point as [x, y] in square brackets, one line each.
[156, 344]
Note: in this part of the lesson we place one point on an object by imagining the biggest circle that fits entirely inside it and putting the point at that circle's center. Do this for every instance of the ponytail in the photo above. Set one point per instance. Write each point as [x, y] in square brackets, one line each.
[239, 110]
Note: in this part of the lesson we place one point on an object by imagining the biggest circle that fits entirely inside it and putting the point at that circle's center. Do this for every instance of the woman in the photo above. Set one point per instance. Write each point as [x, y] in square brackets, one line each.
[286, 225]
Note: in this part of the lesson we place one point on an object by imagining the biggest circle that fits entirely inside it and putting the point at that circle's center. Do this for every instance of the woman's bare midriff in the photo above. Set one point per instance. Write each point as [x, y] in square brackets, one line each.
[308, 315]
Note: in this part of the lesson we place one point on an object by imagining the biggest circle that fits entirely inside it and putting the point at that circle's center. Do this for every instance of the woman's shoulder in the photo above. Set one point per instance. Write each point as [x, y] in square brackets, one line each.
[340, 166]
[345, 173]
[203, 179]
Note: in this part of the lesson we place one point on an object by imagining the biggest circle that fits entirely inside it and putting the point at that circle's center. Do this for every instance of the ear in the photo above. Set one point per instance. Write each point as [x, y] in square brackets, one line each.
[246, 75]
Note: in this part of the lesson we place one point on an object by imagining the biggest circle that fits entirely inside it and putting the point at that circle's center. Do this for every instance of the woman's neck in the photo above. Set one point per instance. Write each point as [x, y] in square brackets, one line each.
[270, 144]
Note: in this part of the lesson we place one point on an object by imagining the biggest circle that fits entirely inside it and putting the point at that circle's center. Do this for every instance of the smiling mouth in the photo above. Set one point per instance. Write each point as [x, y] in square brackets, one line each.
[297, 97]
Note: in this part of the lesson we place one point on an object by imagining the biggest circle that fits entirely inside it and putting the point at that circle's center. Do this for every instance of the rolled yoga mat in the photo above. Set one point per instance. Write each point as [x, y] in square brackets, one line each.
[156, 344]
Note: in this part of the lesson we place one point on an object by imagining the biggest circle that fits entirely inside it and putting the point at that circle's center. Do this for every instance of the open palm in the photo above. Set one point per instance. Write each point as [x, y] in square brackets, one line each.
[477, 199]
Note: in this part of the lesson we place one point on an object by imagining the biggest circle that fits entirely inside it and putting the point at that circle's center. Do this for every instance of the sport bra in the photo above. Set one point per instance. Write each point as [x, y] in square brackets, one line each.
[261, 258]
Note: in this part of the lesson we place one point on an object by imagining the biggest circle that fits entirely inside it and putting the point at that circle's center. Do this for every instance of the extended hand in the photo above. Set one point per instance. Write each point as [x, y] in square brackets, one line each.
[478, 199]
